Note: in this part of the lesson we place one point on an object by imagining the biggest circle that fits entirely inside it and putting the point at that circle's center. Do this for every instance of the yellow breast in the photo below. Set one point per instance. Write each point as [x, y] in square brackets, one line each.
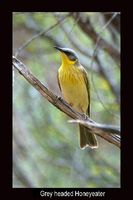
[73, 87]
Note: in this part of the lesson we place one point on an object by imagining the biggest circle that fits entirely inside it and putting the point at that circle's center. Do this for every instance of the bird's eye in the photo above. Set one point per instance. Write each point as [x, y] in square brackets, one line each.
[72, 57]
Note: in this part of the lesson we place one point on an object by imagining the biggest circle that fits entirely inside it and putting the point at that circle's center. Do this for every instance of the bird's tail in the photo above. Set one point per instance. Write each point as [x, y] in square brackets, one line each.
[87, 138]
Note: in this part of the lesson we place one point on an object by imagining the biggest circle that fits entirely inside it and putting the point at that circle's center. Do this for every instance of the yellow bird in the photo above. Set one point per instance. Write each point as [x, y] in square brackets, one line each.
[74, 85]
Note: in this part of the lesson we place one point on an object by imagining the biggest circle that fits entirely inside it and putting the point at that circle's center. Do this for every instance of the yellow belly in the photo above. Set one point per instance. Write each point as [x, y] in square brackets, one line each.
[73, 88]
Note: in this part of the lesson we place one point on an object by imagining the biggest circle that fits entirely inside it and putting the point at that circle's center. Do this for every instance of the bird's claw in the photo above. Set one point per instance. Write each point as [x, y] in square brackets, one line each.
[85, 116]
[59, 98]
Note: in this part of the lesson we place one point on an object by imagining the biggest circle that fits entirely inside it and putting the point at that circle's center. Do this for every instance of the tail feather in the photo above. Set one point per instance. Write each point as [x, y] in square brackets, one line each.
[87, 138]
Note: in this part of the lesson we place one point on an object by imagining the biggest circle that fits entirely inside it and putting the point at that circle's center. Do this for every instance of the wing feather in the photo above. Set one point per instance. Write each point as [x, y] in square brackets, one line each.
[86, 79]
[58, 80]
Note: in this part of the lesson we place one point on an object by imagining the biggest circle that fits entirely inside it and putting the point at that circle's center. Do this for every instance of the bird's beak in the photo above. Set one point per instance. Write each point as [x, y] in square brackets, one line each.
[58, 48]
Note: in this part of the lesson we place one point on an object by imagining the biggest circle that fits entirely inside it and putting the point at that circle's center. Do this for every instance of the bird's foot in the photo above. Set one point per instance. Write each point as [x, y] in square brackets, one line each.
[85, 115]
[58, 98]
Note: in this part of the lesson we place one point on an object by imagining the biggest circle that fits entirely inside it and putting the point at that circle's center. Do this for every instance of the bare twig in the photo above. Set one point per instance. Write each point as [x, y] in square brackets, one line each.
[101, 129]
[87, 27]
[105, 75]
[99, 35]
[38, 35]
[71, 37]
[92, 60]
[104, 127]
[105, 131]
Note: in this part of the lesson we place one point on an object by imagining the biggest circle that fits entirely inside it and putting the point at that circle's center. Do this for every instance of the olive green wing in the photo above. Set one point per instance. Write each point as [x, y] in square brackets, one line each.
[58, 80]
[86, 137]
[86, 79]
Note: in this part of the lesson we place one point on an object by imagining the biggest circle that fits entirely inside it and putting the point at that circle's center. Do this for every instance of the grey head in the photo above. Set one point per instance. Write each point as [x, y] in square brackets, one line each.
[69, 52]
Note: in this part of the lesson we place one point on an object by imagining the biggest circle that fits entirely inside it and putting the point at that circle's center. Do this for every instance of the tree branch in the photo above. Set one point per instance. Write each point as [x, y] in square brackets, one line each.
[108, 132]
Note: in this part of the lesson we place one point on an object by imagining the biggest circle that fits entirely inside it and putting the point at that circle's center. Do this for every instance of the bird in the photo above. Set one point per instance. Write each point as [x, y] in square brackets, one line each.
[75, 88]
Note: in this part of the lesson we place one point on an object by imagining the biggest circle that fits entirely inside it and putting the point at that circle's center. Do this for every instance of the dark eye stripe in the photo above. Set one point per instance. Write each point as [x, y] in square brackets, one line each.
[71, 56]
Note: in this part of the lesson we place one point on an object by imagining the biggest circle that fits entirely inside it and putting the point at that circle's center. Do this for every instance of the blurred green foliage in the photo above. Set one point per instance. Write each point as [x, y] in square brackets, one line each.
[46, 152]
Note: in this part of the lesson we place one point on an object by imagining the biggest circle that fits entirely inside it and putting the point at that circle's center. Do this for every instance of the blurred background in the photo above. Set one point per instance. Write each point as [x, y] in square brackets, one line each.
[46, 149]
